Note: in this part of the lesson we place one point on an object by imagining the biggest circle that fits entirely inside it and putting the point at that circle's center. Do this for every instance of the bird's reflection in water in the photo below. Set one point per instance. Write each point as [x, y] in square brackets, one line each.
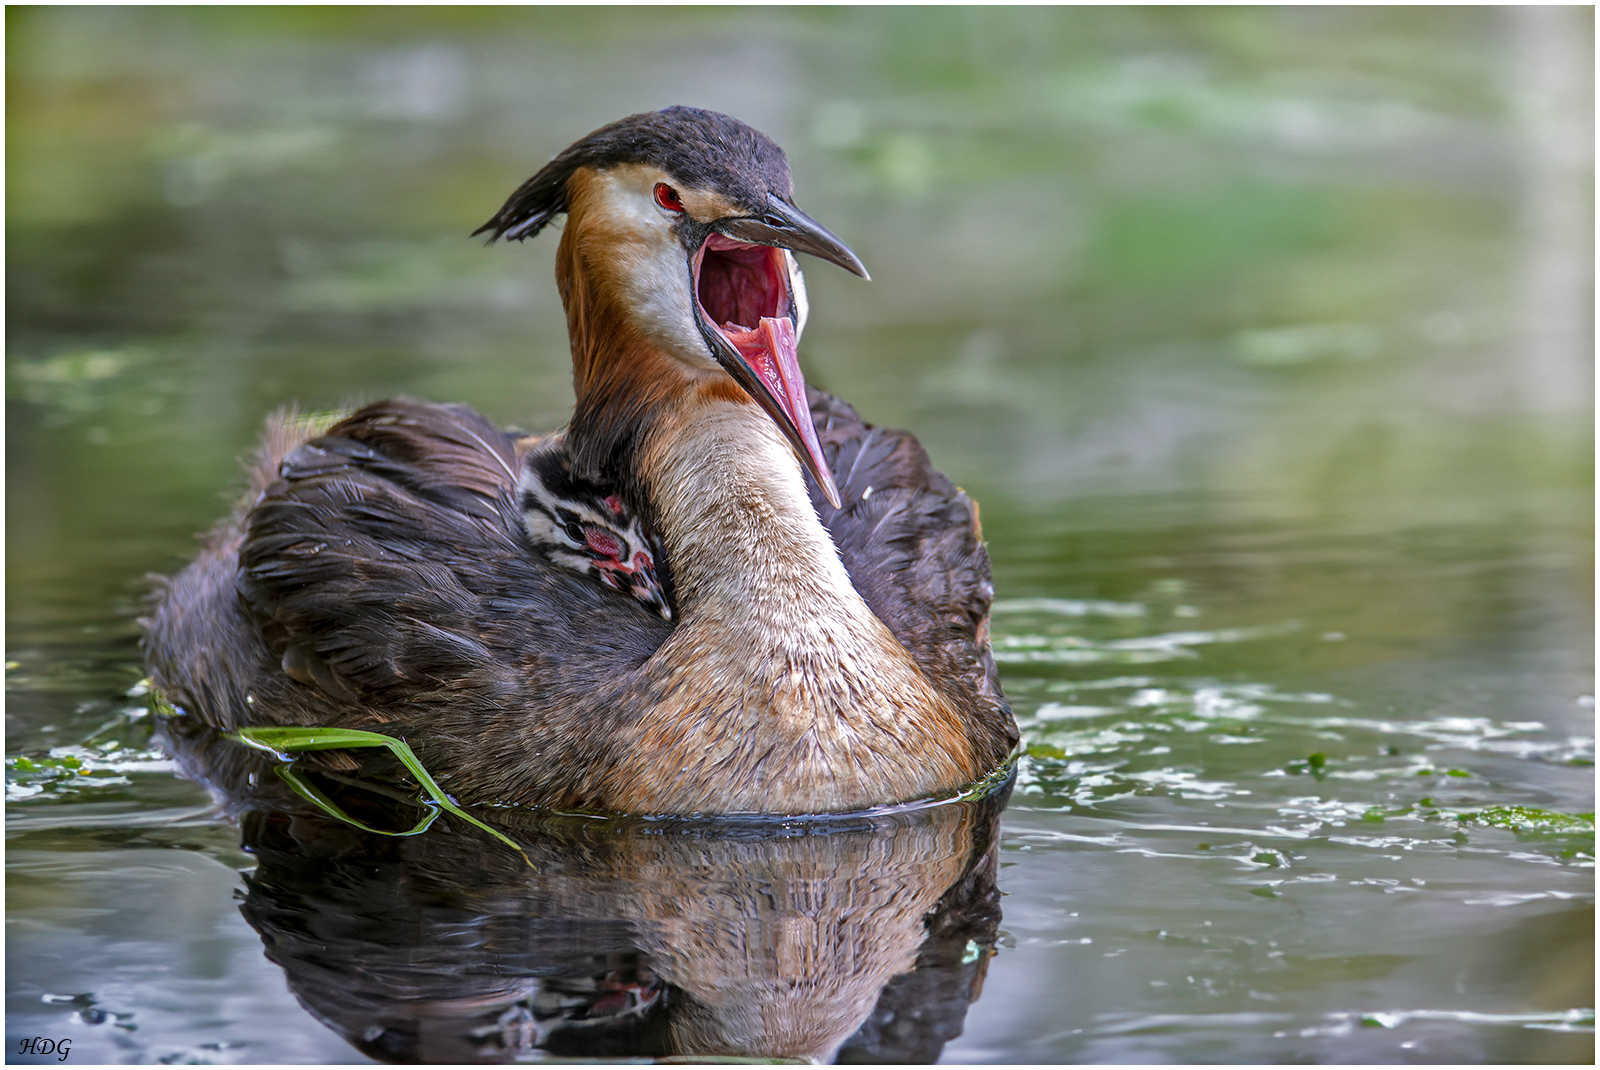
[861, 938]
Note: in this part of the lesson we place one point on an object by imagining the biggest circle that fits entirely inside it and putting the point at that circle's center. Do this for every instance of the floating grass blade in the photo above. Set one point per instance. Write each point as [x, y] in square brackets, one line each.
[284, 743]
[308, 791]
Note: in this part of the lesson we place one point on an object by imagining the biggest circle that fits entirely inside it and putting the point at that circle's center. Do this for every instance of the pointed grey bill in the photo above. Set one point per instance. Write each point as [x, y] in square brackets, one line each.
[788, 227]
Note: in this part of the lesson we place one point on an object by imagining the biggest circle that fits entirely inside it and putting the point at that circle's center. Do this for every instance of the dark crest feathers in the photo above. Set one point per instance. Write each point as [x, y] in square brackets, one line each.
[702, 148]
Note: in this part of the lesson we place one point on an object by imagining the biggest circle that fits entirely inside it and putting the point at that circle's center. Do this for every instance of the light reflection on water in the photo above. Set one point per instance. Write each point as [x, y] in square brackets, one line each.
[1260, 335]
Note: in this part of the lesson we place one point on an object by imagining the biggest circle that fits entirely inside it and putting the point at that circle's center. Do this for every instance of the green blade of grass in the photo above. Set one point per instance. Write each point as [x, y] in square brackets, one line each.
[283, 743]
[308, 791]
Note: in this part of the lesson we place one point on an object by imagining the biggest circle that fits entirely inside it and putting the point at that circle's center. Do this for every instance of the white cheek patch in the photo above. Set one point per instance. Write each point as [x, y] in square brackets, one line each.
[658, 288]
[654, 271]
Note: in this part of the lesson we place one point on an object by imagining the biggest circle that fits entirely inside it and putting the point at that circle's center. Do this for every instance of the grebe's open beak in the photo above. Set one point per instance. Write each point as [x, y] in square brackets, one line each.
[748, 311]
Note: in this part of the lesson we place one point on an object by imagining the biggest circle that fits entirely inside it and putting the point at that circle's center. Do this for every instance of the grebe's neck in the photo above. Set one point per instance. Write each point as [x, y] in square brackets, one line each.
[779, 689]
[746, 547]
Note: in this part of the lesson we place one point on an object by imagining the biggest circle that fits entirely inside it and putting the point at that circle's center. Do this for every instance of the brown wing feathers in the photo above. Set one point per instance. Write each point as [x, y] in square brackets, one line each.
[386, 570]
[911, 544]
[393, 553]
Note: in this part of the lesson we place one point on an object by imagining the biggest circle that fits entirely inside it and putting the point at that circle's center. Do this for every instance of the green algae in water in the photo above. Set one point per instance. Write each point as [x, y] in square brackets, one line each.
[67, 771]
[45, 765]
[1519, 819]
[1529, 819]
[26, 777]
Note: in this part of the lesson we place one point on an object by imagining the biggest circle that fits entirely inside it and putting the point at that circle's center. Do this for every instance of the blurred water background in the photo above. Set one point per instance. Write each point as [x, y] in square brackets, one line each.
[1263, 336]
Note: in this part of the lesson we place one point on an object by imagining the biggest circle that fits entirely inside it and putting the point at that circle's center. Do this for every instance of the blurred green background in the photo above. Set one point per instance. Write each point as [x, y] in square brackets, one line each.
[1277, 317]
[1326, 259]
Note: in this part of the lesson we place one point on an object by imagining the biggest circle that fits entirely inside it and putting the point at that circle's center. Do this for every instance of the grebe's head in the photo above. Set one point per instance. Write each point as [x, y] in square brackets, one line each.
[683, 222]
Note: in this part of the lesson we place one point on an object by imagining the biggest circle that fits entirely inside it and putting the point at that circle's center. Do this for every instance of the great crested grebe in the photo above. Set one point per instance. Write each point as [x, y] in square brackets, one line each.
[670, 606]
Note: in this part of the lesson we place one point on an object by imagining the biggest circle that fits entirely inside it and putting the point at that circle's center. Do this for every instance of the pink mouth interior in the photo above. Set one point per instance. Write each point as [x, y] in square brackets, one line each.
[744, 292]
[740, 285]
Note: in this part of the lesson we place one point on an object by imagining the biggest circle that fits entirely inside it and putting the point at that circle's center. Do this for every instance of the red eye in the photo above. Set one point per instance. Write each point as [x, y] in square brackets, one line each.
[668, 198]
